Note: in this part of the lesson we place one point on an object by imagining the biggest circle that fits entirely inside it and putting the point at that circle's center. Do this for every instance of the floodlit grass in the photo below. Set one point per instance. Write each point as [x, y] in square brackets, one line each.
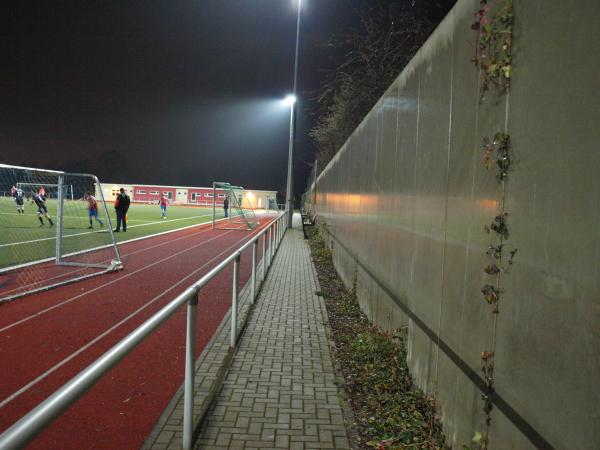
[23, 240]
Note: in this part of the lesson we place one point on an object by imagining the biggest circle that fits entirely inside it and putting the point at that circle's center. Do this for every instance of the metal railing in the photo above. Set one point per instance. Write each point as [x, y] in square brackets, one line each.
[34, 422]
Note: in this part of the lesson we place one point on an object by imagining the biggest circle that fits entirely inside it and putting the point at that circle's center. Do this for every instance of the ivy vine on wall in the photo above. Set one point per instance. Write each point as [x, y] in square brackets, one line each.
[501, 254]
[500, 145]
[498, 149]
[493, 45]
[493, 60]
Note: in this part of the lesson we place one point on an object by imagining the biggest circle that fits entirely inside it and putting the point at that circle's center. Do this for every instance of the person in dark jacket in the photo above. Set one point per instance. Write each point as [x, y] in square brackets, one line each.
[226, 205]
[121, 206]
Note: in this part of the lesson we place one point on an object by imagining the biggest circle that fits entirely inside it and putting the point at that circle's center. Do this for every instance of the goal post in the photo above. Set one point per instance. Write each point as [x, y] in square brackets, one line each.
[56, 230]
[239, 214]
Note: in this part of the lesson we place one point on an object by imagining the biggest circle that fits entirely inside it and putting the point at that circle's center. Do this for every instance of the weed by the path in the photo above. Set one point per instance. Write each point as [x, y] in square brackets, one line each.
[391, 413]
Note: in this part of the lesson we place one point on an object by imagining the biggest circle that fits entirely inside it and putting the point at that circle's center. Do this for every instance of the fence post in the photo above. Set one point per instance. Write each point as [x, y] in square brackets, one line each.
[264, 255]
[271, 240]
[280, 235]
[254, 247]
[234, 300]
[269, 248]
[190, 369]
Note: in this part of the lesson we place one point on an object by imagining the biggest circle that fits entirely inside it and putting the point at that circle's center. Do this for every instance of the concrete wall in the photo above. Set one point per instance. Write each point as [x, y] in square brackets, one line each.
[407, 198]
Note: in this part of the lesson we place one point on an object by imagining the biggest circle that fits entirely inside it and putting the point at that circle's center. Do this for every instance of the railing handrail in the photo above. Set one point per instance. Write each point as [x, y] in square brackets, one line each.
[30, 425]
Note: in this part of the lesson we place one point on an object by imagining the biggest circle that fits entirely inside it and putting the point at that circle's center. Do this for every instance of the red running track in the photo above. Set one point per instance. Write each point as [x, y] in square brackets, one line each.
[47, 338]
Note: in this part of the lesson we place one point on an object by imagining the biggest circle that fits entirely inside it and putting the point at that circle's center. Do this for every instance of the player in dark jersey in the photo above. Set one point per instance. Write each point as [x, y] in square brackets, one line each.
[40, 202]
[18, 197]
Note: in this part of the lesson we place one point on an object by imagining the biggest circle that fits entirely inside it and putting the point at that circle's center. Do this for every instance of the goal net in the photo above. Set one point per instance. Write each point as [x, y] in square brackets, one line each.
[50, 190]
[54, 230]
[233, 208]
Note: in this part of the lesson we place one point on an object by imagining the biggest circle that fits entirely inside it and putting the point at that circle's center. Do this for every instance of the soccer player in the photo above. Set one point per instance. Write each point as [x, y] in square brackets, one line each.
[40, 201]
[18, 197]
[164, 201]
[92, 209]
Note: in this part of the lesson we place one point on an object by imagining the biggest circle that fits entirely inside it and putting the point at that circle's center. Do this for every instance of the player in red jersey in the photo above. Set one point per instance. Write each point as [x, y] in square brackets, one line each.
[164, 201]
[92, 209]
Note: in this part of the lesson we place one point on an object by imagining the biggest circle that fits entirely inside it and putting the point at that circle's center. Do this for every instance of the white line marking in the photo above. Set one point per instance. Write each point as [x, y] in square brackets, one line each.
[25, 319]
[41, 261]
[108, 331]
[12, 244]
[82, 217]
[72, 272]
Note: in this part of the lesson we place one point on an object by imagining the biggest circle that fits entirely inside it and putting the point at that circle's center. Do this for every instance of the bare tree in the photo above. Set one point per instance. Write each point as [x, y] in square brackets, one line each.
[391, 32]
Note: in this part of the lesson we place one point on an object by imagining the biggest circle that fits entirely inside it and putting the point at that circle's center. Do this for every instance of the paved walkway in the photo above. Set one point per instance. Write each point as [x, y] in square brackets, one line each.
[280, 391]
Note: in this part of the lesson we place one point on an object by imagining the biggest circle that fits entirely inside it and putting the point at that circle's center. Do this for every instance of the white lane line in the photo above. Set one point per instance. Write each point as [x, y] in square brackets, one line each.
[72, 272]
[108, 283]
[108, 331]
[82, 217]
[42, 261]
[12, 244]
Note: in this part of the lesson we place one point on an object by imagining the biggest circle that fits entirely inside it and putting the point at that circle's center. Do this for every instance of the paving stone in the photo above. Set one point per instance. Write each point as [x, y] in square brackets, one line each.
[280, 391]
[165, 437]
[283, 369]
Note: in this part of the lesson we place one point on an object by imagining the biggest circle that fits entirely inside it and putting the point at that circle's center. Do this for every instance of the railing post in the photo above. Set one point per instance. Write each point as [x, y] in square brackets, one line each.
[269, 246]
[271, 240]
[264, 255]
[254, 247]
[280, 234]
[234, 300]
[190, 369]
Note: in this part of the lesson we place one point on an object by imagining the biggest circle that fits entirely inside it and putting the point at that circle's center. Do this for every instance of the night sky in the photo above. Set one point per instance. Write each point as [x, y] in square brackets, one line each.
[166, 92]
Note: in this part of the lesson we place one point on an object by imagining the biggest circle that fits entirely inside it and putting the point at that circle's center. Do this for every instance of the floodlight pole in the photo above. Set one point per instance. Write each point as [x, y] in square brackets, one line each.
[289, 191]
[288, 201]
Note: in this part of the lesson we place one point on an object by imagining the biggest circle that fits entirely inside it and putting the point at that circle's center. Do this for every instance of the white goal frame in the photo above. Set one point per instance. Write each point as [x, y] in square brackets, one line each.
[59, 258]
[233, 202]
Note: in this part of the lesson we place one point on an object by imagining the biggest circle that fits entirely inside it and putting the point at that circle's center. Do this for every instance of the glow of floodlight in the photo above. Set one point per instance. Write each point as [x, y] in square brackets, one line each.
[289, 100]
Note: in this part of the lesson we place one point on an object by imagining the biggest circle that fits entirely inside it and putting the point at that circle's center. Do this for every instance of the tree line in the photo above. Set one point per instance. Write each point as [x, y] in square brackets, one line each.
[387, 37]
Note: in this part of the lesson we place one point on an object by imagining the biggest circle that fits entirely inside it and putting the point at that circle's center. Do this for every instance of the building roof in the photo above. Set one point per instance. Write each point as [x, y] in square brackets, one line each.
[175, 187]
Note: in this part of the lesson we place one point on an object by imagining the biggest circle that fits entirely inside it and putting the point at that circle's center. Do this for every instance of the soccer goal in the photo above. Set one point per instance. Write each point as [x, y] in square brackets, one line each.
[54, 230]
[239, 214]
[49, 190]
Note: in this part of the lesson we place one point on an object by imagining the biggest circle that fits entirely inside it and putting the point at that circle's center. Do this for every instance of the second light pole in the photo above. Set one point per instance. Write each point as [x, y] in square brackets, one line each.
[291, 100]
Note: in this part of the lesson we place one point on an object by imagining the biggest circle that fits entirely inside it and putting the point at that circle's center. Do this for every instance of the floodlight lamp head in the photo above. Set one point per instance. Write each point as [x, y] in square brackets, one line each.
[289, 100]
